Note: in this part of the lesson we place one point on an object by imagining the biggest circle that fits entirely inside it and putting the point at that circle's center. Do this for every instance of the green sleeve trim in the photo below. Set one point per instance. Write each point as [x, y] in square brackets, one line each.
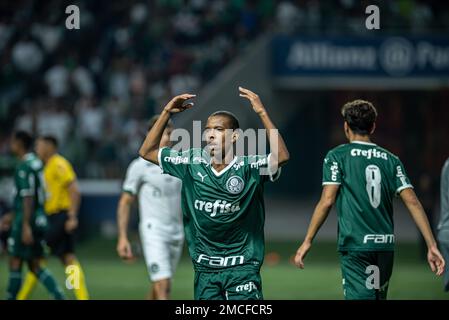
[159, 157]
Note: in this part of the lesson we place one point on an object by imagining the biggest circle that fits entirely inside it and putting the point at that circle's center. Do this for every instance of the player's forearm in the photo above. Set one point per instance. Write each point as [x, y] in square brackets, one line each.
[123, 218]
[75, 200]
[27, 210]
[150, 146]
[419, 216]
[279, 151]
[319, 216]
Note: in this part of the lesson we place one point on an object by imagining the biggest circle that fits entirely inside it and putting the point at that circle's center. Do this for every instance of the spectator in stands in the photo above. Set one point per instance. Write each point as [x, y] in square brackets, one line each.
[132, 55]
[57, 80]
[54, 120]
[27, 55]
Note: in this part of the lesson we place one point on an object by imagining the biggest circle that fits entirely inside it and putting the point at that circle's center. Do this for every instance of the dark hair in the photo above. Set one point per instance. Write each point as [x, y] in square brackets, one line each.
[230, 116]
[25, 138]
[50, 139]
[360, 116]
[153, 120]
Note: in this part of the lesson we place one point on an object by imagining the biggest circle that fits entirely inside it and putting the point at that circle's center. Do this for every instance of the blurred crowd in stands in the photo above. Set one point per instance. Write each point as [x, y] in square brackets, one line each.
[94, 88]
[348, 16]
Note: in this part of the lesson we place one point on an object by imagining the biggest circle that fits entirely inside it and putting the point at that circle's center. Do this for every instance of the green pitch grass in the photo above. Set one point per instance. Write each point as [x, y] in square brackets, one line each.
[110, 278]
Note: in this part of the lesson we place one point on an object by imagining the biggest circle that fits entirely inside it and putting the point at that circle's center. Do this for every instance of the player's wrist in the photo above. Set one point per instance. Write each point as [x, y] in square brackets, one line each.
[308, 240]
[166, 111]
[432, 245]
[262, 113]
[123, 237]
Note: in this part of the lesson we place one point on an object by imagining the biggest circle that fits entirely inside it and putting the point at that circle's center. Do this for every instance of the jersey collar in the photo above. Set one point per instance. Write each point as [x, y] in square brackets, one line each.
[224, 169]
[363, 142]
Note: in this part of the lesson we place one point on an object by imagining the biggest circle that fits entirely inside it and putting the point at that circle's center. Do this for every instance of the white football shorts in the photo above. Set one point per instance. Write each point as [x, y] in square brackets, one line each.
[161, 252]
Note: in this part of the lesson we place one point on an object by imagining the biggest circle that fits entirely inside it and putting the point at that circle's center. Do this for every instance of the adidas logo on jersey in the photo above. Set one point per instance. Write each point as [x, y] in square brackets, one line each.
[218, 206]
[370, 153]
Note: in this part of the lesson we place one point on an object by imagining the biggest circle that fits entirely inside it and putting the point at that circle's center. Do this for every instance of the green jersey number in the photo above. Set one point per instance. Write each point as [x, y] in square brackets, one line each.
[373, 180]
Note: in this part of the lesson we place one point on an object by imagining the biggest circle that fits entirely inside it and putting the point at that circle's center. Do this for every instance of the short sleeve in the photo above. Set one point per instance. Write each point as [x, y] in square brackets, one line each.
[261, 165]
[26, 182]
[401, 180]
[332, 173]
[173, 162]
[65, 172]
[132, 179]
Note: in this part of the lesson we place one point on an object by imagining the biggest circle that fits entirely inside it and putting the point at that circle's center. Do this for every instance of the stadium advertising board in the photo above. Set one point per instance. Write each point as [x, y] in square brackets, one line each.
[386, 62]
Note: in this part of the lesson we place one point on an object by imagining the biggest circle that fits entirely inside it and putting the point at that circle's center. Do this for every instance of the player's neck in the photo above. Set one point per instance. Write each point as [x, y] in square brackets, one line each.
[22, 154]
[220, 164]
[47, 158]
[357, 137]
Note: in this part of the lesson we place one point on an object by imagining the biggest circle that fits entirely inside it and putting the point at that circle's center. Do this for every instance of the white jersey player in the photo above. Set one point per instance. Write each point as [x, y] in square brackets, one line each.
[160, 224]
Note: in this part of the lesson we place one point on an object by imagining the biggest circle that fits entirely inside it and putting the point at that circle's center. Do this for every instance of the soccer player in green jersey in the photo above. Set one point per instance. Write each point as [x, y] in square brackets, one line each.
[221, 199]
[363, 178]
[26, 241]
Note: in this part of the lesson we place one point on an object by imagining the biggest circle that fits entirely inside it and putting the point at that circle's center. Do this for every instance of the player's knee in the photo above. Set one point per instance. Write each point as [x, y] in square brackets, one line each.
[162, 289]
[36, 269]
[15, 264]
[35, 266]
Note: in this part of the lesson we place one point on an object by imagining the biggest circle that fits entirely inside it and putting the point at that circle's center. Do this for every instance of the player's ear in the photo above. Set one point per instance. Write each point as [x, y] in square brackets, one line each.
[348, 131]
[346, 128]
[235, 135]
[373, 128]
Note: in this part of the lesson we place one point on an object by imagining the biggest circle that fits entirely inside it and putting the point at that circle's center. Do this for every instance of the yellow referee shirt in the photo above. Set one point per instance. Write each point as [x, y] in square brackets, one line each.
[58, 174]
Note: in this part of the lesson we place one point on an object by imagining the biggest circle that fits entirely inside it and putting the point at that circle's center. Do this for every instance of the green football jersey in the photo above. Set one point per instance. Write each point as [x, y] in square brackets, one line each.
[369, 178]
[223, 212]
[29, 182]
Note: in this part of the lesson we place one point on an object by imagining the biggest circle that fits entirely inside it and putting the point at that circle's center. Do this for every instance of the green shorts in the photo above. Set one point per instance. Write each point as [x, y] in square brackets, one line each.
[230, 284]
[366, 274]
[38, 249]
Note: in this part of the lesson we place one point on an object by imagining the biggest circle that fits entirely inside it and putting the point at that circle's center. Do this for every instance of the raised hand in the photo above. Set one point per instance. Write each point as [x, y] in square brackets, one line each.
[177, 104]
[256, 103]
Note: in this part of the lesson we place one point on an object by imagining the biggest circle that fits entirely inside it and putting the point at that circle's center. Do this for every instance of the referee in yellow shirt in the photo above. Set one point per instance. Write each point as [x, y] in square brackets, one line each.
[61, 205]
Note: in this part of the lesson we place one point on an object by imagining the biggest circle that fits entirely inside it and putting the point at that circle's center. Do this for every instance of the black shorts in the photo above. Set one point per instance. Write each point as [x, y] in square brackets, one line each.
[4, 235]
[58, 240]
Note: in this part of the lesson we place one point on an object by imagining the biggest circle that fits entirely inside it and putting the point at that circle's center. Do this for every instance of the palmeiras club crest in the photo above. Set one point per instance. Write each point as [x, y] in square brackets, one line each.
[235, 184]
